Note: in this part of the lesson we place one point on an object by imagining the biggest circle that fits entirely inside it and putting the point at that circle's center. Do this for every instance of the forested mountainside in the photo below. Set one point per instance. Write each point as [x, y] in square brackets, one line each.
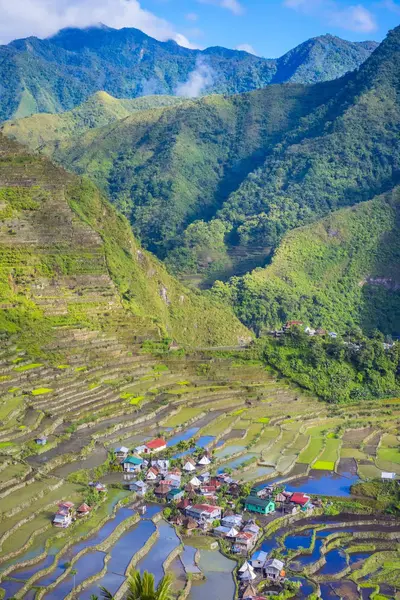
[127, 63]
[239, 171]
[98, 110]
[339, 273]
[69, 261]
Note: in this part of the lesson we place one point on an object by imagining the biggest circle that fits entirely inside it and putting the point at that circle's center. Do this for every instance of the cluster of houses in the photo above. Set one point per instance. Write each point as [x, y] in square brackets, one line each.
[308, 330]
[143, 474]
[66, 513]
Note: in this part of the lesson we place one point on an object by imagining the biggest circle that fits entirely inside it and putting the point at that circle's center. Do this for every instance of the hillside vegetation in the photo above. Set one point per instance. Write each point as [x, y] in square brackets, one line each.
[68, 260]
[99, 110]
[61, 72]
[340, 272]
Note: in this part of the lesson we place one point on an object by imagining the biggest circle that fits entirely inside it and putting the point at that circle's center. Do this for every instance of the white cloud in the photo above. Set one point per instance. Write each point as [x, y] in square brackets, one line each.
[352, 18]
[198, 81]
[22, 18]
[246, 48]
[232, 5]
[192, 17]
[391, 5]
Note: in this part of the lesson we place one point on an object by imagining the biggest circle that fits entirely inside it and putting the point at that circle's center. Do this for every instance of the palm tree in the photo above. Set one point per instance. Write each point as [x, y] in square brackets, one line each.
[142, 587]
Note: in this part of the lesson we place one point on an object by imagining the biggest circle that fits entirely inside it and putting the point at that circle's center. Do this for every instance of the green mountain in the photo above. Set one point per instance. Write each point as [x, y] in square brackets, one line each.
[70, 262]
[61, 72]
[339, 273]
[228, 175]
[99, 110]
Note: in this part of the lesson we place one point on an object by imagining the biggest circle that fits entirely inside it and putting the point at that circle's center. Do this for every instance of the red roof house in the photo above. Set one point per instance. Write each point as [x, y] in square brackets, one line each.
[300, 498]
[155, 445]
[83, 509]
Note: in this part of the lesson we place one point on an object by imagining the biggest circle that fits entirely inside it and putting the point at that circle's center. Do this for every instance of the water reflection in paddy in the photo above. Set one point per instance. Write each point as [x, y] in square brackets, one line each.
[294, 542]
[236, 462]
[121, 555]
[182, 436]
[306, 559]
[166, 542]
[229, 450]
[100, 536]
[11, 587]
[324, 483]
[336, 561]
[25, 573]
[187, 557]
[86, 566]
[218, 584]
[257, 473]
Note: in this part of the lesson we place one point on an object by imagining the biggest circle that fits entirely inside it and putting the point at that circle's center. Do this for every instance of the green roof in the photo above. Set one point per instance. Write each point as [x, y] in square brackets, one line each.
[133, 460]
[256, 501]
[174, 492]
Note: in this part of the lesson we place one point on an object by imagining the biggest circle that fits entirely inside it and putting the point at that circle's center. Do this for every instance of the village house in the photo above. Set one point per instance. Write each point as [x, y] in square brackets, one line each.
[246, 572]
[204, 461]
[63, 516]
[152, 474]
[162, 490]
[274, 569]
[183, 504]
[41, 441]
[250, 593]
[258, 559]
[161, 464]
[244, 542]
[195, 482]
[132, 464]
[204, 512]
[156, 445]
[140, 487]
[232, 521]
[204, 477]
[225, 532]
[251, 527]
[262, 506]
[121, 452]
[172, 481]
[175, 495]
[208, 490]
[300, 499]
[83, 510]
[100, 487]
[189, 465]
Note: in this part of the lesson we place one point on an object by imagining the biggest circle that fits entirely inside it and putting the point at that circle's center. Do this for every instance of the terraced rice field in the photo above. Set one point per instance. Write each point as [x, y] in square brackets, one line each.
[258, 427]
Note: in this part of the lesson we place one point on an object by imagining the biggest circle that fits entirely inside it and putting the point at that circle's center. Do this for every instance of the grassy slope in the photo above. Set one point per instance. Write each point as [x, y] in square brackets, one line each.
[99, 110]
[68, 259]
[339, 272]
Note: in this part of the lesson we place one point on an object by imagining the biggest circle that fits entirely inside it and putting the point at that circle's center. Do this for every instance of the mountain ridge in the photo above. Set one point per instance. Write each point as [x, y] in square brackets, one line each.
[127, 63]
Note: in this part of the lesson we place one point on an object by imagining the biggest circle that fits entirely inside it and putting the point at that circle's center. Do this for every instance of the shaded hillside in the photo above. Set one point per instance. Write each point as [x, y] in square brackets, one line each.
[99, 110]
[341, 272]
[61, 72]
[166, 168]
[68, 260]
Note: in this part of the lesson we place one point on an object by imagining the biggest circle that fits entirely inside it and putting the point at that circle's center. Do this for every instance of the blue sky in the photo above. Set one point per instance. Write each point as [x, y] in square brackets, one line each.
[266, 27]
[271, 27]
